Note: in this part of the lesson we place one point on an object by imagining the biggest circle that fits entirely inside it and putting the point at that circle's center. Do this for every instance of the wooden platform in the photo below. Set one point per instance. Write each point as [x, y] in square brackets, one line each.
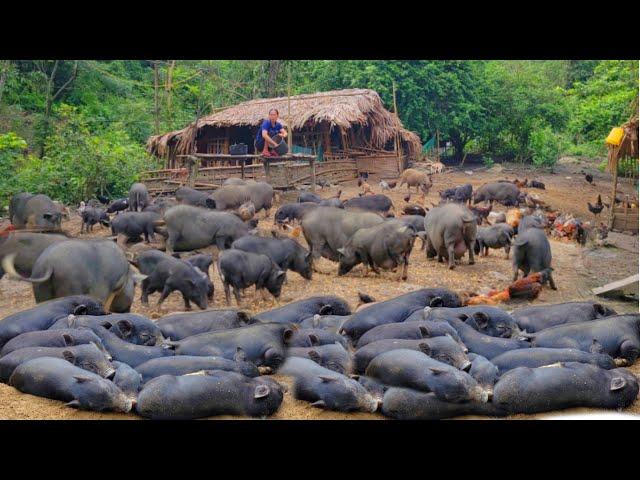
[626, 286]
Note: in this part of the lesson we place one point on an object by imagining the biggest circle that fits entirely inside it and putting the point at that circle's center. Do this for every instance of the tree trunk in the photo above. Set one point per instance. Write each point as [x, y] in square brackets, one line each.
[168, 88]
[156, 111]
[47, 110]
[50, 97]
[273, 68]
[4, 72]
[458, 147]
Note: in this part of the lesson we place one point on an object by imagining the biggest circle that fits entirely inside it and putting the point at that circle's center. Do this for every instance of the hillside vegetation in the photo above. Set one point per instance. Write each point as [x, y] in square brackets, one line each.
[73, 128]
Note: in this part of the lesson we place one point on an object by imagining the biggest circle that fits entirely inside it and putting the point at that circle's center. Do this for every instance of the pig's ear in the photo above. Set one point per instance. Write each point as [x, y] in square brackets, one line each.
[482, 320]
[354, 377]
[596, 347]
[617, 383]
[240, 355]
[341, 251]
[210, 203]
[326, 310]
[314, 339]
[424, 331]
[73, 404]
[80, 310]
[424, 348]
[69, 356]
[81, 378]
[308, 257]
[436, 302]
[68, 339]
[318, 404]
[437, 371]
[326, 379]
[106, 324]
[315, 320]
[287, 334]
[261, 391]
[126, 327]
[314, 355]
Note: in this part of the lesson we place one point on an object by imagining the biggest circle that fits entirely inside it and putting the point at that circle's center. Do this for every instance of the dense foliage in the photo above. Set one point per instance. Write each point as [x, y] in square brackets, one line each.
[74, 128]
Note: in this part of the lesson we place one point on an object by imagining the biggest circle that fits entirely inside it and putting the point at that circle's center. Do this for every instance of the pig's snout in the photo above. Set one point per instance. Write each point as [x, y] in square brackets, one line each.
[480, 395]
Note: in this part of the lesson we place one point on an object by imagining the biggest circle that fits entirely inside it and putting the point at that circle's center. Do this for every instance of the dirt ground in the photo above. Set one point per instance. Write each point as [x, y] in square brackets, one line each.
[577, 271]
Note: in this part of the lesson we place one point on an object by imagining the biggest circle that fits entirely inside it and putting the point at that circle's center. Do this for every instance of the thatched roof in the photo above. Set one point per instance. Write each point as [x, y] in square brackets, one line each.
[339, 108]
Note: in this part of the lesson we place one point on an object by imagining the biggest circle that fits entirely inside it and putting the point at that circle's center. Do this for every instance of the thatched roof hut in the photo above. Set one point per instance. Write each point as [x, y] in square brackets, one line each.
[341, 120]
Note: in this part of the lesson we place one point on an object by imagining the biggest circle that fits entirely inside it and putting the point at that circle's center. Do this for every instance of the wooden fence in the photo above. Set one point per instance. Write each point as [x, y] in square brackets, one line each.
[281, 172]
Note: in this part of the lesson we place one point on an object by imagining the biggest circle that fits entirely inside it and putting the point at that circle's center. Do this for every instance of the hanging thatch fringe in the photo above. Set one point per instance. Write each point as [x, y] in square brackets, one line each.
[340, 108]
[628, 147]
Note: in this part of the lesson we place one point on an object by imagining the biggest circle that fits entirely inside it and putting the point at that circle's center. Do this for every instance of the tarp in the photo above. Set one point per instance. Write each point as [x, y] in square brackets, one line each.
[430, 145]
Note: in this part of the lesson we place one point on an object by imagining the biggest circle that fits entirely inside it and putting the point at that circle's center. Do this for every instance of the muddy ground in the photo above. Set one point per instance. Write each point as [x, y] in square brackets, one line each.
[577, 271]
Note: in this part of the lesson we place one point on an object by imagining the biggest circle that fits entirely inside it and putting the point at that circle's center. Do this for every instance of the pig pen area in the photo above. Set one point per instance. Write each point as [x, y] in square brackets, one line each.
[577, 270]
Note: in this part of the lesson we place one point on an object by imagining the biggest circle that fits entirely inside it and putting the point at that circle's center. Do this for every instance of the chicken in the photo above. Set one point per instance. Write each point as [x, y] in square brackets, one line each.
[525, 288]
[102, 199]
[513, 217]
[387, 185]
[481, 212]
[589, 178]
[597, 208]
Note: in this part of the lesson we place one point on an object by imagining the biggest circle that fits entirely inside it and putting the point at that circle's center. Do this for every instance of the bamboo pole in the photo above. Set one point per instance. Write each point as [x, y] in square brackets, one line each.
[396, 147]
[613, 162]
[289, 119]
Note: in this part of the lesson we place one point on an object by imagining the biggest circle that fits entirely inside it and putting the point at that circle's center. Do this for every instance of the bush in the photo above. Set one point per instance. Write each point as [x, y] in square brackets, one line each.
[545, 146]
[12, 149]
[488, 161]
[77, 163]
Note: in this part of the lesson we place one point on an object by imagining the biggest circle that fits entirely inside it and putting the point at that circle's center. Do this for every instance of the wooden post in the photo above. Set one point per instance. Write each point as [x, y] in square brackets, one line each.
[437, 145]
[225, 148]
[192, 169]
[326, 137]
[242, 160]
[312, 166]
[289, 119]
[613, 153]
[396, 141]
[267, 169]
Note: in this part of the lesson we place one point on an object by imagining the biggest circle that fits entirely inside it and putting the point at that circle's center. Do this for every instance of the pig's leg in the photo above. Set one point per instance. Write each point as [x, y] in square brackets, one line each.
[451, 250]
[629, 351]
[163, 296]
[122, 241]
[405, 268]
[552, 284]
[515, 273]
[227, 293]
[507, 249]
[470, 249]
[236, 293]
[144, 286]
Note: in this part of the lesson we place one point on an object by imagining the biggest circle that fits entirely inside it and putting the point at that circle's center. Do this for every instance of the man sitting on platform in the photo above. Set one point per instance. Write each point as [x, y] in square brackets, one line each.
[269, 128]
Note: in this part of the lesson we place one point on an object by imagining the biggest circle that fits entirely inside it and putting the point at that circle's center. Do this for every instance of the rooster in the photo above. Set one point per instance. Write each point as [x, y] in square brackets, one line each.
[525, 288]
[481, 212]
[597, 208]
[387, 184]
[102, 199]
